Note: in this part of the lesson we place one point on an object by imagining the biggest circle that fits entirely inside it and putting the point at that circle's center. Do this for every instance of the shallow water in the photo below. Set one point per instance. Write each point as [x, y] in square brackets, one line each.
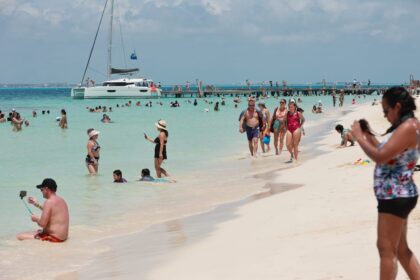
[205, 153]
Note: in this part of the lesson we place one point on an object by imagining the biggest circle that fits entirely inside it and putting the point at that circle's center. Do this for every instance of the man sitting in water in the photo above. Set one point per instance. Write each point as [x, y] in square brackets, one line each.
[54, 219]
[346, 136]
[118, 178]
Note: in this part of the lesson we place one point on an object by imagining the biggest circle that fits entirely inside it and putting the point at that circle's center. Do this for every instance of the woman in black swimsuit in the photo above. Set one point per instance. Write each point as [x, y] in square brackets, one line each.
[93, 148]
[160, 147]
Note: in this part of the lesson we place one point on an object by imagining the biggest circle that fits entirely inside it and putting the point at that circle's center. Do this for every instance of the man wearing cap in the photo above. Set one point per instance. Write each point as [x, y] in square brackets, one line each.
[253, 120]
[54, 219]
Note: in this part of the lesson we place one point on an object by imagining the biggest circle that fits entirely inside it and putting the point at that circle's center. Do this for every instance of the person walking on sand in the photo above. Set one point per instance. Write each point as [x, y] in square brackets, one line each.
[63, 119]
[54, 219]
[341, 98]
[294, 120]
[266, 131]
[394, 187]
[279, 126]
[253, 120]
[160, 147]
[93, 148]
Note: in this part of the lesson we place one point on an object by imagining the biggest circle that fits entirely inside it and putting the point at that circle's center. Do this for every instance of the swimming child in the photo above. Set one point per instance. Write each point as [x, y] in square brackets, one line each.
[118, 178]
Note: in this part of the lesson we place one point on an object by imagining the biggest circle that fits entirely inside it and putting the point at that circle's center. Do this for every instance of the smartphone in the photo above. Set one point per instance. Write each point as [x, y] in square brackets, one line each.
[145, 136]
[22, 194]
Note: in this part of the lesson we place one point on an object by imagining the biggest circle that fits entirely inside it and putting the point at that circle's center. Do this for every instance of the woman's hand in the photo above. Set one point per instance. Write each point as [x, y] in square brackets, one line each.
[160, 155]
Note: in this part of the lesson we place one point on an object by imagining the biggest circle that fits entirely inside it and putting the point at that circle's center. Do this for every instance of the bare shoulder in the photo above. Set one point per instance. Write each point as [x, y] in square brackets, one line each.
[60, 200]
[407, 131]
[410, 126]
[56, 200]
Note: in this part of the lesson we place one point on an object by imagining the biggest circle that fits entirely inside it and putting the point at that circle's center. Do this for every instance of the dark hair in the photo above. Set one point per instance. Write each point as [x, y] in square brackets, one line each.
[164, 131]
[117, 172]
[339, 128]
[145, 172]
[400, 95]
[63, 112]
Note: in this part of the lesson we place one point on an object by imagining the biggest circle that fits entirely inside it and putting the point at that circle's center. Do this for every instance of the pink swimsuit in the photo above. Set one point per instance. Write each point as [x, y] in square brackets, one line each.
[293, 121]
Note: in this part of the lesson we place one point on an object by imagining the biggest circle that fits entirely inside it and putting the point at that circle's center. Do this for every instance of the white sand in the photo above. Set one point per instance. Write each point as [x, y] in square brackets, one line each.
[324, 230]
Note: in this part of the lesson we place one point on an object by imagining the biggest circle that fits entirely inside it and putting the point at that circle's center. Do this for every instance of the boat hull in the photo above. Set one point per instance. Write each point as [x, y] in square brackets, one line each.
[114, 92]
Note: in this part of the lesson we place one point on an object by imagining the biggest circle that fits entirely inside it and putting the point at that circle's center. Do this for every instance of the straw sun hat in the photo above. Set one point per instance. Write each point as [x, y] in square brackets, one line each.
[161, 124]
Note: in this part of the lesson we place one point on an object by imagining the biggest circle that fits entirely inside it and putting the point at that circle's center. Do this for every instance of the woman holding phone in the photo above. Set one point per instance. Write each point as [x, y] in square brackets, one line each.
[394, 187]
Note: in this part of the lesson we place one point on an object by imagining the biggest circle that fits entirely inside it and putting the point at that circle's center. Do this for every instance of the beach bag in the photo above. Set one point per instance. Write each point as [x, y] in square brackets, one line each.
[266, 139]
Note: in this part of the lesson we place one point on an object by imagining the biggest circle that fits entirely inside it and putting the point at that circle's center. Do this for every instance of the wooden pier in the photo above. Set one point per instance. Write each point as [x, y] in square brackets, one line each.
[273, 91]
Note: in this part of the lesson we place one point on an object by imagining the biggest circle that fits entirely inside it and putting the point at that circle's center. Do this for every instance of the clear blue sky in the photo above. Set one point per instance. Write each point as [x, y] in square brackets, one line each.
[218, 41]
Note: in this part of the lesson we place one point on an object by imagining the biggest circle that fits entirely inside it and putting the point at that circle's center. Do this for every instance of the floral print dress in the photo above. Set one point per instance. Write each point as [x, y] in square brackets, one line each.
[394, 179]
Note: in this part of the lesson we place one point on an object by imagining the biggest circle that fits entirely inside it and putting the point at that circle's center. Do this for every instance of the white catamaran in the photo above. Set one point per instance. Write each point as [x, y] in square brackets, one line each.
[115, 88]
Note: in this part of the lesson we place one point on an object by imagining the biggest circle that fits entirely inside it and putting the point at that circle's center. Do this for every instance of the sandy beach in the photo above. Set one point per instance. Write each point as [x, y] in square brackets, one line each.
[323, 230]
[317, 220]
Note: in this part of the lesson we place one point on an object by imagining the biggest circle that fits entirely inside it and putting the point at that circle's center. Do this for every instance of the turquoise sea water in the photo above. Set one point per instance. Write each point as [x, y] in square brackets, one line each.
[197, 140]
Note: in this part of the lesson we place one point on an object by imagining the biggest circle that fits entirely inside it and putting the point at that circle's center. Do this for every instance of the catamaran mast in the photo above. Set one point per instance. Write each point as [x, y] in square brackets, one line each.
[93, 45]
[110, 40]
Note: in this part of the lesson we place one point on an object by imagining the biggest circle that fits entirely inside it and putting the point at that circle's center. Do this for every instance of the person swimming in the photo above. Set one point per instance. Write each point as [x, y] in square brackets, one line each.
[118, 177]
[105, 118]
[145, 175]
